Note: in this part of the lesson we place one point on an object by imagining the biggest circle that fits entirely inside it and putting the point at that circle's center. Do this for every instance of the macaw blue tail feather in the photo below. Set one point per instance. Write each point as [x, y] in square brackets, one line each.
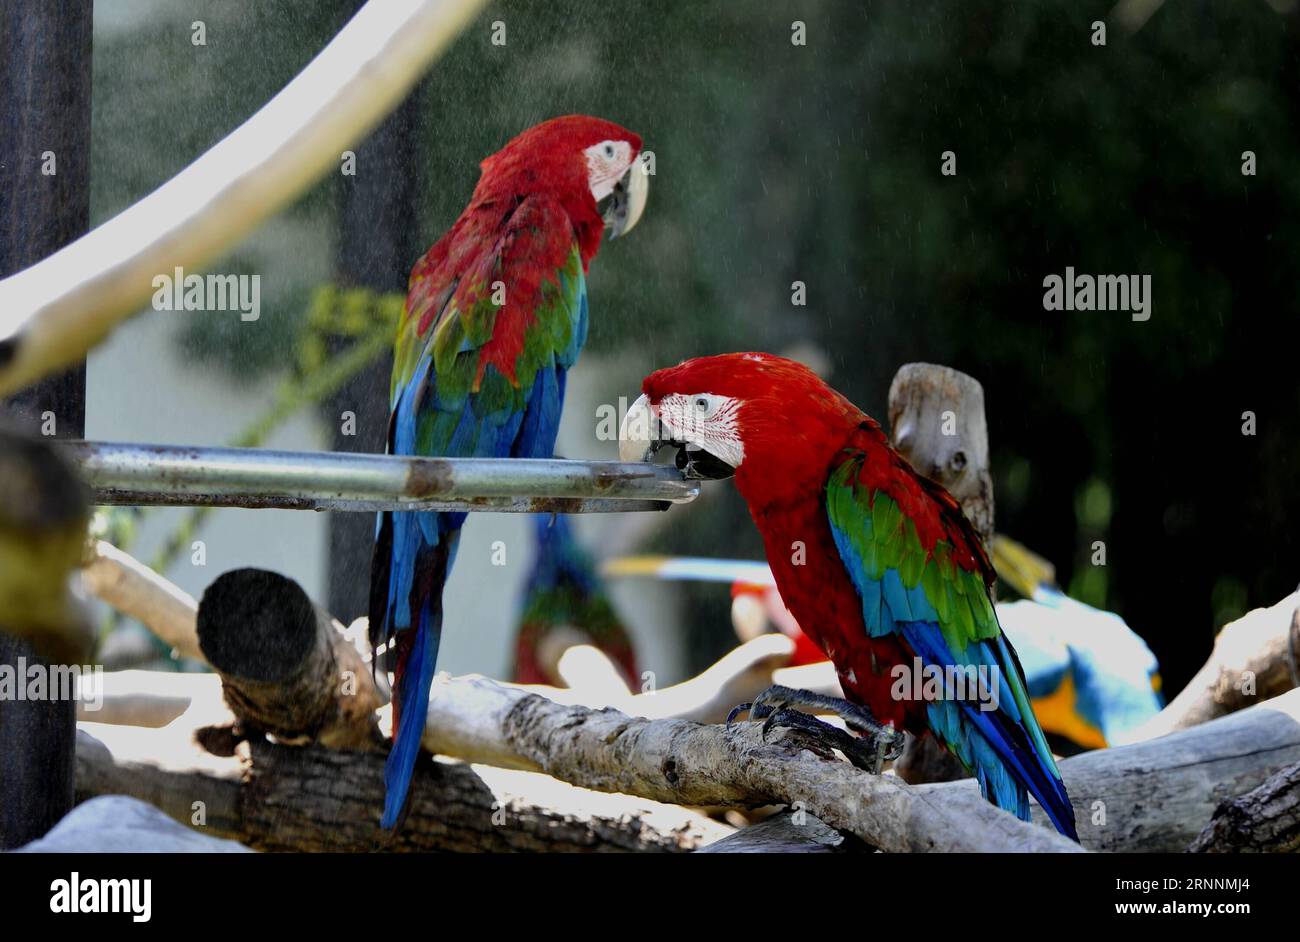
[413, 555]
[1004, 747]
[413, 695]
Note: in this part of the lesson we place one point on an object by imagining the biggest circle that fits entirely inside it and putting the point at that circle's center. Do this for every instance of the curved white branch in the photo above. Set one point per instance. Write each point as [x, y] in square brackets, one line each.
[53, 313]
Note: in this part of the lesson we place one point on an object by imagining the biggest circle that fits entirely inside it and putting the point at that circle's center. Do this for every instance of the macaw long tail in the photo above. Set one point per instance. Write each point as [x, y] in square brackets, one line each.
[1004, 747]
[413, 556]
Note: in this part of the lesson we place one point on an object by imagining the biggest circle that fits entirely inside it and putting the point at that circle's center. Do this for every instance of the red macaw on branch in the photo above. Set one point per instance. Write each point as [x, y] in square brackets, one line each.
[496, 314]
[876, 562]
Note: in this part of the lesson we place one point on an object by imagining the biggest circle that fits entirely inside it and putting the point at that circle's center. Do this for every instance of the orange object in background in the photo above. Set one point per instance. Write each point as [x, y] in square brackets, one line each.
[755, 607]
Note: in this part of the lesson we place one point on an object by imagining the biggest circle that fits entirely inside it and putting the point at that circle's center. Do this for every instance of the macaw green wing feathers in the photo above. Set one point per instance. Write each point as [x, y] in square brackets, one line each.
[887, 559]
[922, 575]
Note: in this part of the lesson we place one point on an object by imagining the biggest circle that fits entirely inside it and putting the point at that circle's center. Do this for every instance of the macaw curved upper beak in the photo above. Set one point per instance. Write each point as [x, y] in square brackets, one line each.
[641, 434]
[623, 207]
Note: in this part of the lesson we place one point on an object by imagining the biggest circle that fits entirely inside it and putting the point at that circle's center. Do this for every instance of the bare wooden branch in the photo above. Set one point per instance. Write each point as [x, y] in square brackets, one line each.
[685, 763]
[285, 665]
[1150, 796]
[1264, 820]
[1254, 659]
[273, 797]
[738, 676]
[134, 589]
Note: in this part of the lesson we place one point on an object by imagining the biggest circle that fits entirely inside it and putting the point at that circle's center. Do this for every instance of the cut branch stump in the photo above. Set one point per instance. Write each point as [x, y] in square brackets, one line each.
[285, 665]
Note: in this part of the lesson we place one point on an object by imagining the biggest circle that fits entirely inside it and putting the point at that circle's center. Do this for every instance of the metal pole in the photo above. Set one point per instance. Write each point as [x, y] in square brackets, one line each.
[168, 475]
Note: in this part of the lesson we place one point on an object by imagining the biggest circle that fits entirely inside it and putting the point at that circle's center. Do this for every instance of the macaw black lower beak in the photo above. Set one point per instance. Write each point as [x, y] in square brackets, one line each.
[700, 465]
[641, 435]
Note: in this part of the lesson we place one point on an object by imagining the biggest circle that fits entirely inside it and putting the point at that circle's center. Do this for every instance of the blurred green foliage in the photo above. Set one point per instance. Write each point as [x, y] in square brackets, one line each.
[820, 163]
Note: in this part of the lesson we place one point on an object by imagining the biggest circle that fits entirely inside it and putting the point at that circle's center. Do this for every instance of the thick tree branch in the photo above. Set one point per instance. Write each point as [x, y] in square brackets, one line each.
[1264, 820]
[1149, 796]
[685, 763]
[272, 797]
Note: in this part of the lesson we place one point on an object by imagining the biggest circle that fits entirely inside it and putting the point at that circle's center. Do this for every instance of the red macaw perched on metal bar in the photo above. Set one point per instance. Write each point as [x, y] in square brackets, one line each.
[496, 313]
[876, 562]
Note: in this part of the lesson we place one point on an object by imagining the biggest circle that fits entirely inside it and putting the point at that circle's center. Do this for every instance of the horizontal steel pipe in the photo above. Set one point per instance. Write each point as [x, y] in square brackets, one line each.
[169, 475]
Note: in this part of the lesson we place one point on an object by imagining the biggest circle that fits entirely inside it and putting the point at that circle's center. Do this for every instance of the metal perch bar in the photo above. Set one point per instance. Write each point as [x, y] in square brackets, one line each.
[168, 475]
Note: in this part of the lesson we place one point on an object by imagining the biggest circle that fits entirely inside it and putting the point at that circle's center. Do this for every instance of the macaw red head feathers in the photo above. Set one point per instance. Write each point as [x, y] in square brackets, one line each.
[752, 412]
[581, 160]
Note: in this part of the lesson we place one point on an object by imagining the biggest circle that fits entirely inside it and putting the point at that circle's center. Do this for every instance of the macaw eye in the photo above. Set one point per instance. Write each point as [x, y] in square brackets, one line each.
[702, 404]
[958, 461]
[609, 151]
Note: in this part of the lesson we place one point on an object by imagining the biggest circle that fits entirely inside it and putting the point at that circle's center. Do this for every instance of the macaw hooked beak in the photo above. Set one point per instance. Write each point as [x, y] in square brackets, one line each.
[623, 207]
[642, 434]
[639, 434]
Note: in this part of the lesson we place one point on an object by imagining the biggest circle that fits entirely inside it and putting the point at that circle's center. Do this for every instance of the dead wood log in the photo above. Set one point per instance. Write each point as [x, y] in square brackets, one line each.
[1149, 796]
[1264, 820]
[1254, 659]
[288, 798]
[937, 422]
[1157, 795]
[680, 762]
[286, 666]
[1153, 796]
[686, 763]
